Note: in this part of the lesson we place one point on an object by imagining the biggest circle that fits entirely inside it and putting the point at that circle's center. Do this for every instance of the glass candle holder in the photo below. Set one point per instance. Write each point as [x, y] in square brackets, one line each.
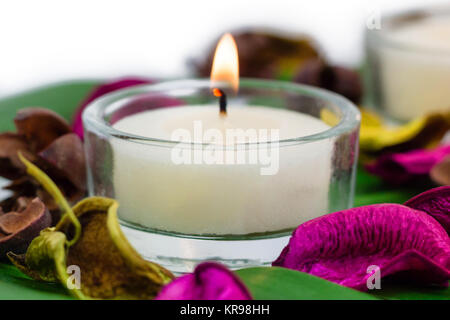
[180, 214]
[409, 63]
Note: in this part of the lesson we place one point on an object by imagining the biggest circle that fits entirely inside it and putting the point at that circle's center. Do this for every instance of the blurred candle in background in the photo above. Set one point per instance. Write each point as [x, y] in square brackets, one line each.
[410, 63]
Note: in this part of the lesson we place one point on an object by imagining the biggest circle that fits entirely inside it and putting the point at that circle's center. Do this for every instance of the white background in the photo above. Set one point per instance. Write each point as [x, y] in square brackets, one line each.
[52, 40]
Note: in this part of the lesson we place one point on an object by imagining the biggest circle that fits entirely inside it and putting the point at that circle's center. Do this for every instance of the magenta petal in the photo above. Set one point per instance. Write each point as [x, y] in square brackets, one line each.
[77, 124]
[399, 240]
[399, 168]
[209, 281]
[435, 202]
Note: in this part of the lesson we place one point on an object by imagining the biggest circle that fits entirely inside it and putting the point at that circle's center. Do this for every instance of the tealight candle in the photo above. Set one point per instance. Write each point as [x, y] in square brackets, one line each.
[410, 61]
[226, 198]
[192, 163]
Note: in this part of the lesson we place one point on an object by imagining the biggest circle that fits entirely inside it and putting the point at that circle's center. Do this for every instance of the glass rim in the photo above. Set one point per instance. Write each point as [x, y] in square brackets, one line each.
[93, 114]
[407, 17]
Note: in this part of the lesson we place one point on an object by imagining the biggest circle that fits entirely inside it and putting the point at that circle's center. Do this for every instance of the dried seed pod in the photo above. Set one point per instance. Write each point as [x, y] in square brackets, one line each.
[89, 236]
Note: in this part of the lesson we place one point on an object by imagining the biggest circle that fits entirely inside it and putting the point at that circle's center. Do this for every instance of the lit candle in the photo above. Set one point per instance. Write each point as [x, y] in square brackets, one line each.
[412, 65]
[156, 191]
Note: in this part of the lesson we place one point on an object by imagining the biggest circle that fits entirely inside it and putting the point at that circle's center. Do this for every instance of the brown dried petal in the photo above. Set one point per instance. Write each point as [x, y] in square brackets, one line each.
[440, 173]
[17, 229]
[67, 155]
[266, 54]
[22, 203]
[338, 79]
[40, 126]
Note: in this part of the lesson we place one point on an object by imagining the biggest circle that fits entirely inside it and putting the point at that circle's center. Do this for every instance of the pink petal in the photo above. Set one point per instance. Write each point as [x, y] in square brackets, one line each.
[77, 123]
[399, 240]
[209, 281]
[399, 168]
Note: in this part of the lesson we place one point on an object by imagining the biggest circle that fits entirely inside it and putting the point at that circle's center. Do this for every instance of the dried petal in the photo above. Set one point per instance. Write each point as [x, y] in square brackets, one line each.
[425, 132]
[265, 54]
[435, 202]
[66, 154]
[209, 281]
[110, 267]
[346, 82]
[10, 165]
[440, 173]
[77, 123]
[399, 240]
[45, 139]
[400, 168]
[17, 229]
[45, 259]
[40, 127]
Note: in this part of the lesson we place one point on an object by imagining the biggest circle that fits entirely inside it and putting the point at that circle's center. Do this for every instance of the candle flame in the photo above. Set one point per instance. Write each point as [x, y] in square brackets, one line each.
[225, 65]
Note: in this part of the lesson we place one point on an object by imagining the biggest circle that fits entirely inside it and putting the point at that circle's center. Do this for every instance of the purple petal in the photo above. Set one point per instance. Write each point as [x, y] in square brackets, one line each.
[399, 168]
[435, 202]
[209, 281]
[399, 240]
[77, 123]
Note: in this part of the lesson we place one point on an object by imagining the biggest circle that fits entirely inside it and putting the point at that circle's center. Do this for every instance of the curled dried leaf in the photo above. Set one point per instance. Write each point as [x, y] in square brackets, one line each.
[89, 235]
[45, 139]
[45, 259]
[425, 132]
[110, 266]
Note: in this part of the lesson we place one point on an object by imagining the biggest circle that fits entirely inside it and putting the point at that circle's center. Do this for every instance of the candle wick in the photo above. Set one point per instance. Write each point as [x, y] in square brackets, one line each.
[222, 100]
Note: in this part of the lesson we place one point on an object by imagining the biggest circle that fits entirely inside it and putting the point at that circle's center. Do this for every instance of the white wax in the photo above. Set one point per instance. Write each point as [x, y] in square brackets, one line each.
[220, 198]
[415, 82]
